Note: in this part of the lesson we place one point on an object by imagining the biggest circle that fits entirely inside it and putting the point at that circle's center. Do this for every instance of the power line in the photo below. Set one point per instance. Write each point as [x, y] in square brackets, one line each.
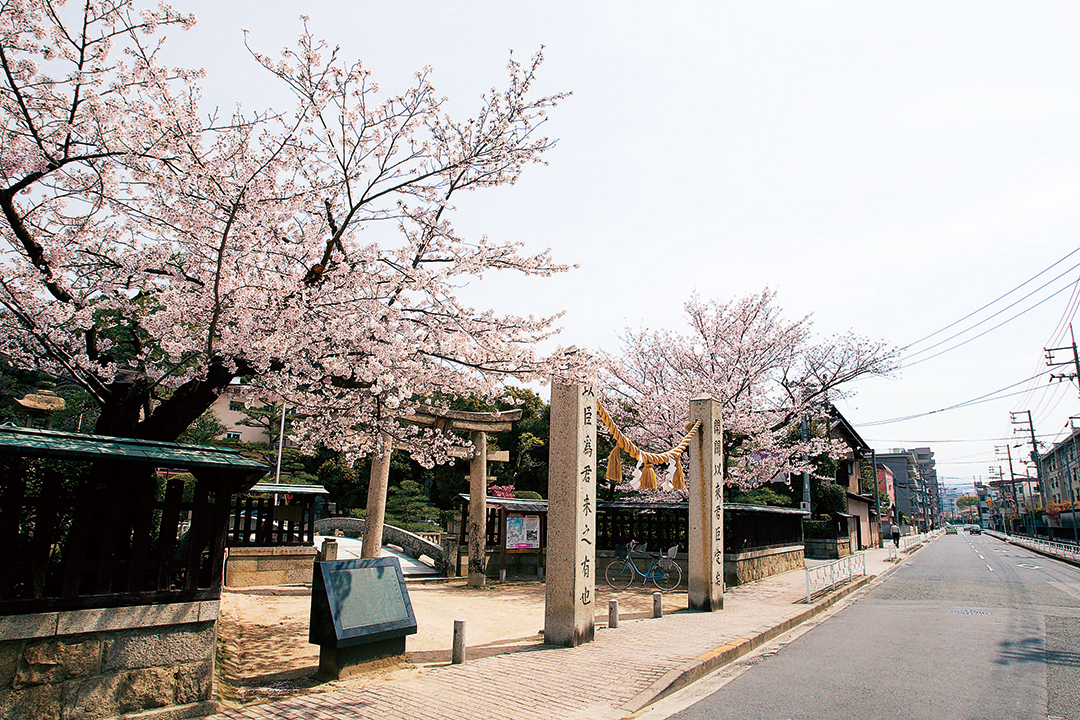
[1003, 322]
[938, 441]
[1002, 297]
[975, 401]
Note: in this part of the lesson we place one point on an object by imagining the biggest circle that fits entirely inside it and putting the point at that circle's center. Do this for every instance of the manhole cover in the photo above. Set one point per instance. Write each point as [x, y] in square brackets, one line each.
[966, 611]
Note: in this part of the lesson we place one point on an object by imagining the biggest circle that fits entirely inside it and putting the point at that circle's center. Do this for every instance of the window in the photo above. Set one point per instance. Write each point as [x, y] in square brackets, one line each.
[232, 435]
[236, 405]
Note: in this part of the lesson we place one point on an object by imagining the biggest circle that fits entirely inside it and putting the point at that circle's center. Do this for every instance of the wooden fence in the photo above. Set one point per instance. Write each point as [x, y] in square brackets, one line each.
[107, 543]
[258, 522]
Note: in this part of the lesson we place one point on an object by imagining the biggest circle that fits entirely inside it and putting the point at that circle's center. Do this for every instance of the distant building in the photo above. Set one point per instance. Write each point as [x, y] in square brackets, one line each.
[924, 461]
[887, 487]
[229, 409]
[849, 474]
[905, 473]
[1058, 468]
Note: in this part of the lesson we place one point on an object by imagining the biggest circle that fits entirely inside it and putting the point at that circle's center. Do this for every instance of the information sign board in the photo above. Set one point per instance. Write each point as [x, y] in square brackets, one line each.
[359, 601]
[522, 532]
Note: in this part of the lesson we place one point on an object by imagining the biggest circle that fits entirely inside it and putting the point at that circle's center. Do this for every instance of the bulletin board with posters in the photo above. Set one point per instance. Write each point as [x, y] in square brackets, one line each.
[522, 532]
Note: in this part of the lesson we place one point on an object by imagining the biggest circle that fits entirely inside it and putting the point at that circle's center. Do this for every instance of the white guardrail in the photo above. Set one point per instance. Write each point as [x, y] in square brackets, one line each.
[1067, 551]
[908, 542]
[833, 574]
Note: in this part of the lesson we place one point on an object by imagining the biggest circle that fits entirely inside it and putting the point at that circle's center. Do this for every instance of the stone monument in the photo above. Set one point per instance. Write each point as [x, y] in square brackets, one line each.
[571, 541]
[706, 551]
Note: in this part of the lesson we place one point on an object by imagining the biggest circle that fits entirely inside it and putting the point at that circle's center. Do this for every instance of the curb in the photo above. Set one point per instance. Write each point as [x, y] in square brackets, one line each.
[679, 678]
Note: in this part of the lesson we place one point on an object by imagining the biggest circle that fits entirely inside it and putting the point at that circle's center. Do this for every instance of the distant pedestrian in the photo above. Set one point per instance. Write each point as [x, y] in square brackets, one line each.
[896, 535]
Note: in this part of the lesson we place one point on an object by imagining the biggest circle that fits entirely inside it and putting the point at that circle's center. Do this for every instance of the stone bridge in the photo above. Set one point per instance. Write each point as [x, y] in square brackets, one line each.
[412, 545]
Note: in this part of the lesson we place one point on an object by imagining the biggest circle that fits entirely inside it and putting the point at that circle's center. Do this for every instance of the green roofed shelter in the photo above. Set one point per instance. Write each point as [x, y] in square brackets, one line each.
[29, 442]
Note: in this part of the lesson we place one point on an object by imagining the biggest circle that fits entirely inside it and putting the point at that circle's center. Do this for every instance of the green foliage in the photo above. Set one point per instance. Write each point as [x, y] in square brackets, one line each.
[408, 503]
[204, 431]
[527, 442]
[347, 487]
[776, 494]
[819, 529]
[829, 498]
[527, 495]
[189, 485]
[967, 501]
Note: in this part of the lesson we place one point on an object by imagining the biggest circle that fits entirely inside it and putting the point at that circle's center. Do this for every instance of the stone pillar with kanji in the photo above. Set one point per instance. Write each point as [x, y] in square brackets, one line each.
[571, 538]
[706, 551]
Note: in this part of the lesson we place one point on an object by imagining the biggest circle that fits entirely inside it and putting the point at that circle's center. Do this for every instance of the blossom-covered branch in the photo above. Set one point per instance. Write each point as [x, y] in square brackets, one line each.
[768, 373]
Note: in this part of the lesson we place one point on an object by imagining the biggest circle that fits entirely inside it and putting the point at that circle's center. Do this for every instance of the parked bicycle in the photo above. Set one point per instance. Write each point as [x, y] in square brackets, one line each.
[663, 571]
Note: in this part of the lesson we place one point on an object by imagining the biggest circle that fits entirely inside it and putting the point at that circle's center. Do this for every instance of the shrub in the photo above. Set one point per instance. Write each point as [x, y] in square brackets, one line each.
[819, 529]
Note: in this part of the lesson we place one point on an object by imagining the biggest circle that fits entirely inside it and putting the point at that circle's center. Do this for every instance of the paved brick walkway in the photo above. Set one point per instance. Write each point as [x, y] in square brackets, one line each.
[621, 671]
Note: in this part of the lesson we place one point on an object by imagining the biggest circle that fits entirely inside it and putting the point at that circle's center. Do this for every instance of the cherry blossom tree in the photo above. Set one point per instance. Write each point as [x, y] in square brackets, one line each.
[155, 255]
[768, 373]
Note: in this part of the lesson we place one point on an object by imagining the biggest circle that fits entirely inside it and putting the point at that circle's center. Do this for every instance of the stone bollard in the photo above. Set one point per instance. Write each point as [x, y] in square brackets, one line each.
[657, 605]
[613, 613]
[458, 655]
[328, 551]
[502, 575]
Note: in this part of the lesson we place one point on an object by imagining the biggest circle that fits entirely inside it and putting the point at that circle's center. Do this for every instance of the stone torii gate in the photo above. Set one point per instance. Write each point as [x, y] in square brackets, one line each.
[478, 425]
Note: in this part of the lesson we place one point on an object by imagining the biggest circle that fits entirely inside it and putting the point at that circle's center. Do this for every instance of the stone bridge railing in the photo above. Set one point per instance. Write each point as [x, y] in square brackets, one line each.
[412, 545]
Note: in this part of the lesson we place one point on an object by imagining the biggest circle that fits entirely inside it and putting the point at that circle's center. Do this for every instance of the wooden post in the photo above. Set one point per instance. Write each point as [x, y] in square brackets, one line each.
[478, 511]
[571, 550]
[706, 583]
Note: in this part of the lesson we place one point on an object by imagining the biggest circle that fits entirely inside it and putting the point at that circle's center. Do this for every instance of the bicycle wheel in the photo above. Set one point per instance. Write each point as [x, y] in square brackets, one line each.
[619, 574]
[666, 574]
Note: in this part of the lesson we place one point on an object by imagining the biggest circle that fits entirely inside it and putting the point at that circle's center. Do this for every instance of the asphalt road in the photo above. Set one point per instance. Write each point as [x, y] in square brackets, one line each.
[968, 627]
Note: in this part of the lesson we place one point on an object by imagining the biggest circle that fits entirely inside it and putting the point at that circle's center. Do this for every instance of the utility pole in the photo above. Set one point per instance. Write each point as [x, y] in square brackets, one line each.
[1027, 426]
[1075, 361]
[805, 475]
[998, 473]
[877, 498]
[1074, 375]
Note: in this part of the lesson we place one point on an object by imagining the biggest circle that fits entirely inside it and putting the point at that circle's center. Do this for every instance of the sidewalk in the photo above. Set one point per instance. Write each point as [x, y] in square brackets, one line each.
[622, 671]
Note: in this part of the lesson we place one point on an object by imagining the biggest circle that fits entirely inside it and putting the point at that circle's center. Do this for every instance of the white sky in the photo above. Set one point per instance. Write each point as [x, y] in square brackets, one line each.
[886, 166]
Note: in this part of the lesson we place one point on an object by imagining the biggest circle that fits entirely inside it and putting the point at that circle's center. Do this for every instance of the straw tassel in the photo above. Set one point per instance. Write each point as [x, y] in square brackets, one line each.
[614, 465]
[678, 481]
[648, 478]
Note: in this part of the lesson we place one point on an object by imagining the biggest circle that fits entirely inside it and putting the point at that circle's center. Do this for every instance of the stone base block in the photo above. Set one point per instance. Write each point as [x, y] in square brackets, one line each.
[256, 566]
[340, 663]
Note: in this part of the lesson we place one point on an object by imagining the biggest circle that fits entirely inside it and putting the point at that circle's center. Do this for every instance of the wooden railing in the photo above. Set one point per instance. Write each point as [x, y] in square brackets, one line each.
[258, 522]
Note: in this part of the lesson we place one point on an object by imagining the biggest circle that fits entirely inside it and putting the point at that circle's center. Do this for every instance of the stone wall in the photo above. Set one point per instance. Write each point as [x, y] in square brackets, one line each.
[754, 565]
[412, 545]
[828, 549]
[521, 564]
[155, 660]
[253, 566]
